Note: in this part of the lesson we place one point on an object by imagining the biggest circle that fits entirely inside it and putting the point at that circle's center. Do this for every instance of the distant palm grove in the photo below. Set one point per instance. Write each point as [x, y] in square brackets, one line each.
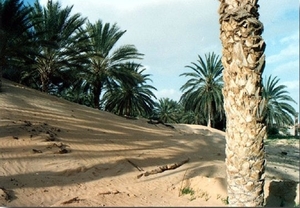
[50, 49]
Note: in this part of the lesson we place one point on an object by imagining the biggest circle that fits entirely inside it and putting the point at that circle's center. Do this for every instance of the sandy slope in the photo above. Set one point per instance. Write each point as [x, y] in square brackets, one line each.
[57, 153]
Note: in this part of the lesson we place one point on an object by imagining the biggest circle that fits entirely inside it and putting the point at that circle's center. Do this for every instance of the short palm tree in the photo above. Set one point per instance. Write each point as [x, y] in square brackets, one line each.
[131, 97]
[167, 110]
[77, 94]
[59, 43]
[14, 30]
[277, 110]
[105, 59]
[203, 92]
[191, 117]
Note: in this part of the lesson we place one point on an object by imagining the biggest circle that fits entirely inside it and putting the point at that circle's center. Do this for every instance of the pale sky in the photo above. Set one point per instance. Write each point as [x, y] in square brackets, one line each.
[172, 33]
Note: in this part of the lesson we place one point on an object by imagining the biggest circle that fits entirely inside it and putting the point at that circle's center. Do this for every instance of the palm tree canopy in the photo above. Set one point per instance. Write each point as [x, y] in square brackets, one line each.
[105, 59]
[14, 21]
[131, 98]
[103, 38]
[167, 110]
[14, 30]
[58, 37]
[203, 92]
[277, 109]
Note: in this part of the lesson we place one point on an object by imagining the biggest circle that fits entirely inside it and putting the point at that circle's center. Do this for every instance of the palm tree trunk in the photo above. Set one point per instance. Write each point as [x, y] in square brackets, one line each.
[243, 60]
[1, 68]
[96, 93]
[209, 116]
[45, 83]
[2, 64]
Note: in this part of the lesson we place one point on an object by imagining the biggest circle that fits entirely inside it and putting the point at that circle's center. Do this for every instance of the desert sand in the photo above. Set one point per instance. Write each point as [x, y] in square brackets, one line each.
[58, 153]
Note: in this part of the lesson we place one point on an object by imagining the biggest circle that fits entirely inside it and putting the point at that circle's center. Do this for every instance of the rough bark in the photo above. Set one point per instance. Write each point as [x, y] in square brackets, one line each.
[164, 168]
[96, 93]
[243, 60]
[2, 64]
[209, 116]
[0, 78]
[45, 82]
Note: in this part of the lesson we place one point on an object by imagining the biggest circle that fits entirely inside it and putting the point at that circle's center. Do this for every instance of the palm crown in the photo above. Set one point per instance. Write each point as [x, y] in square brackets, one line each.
[104, 61]
[58, 39]
[14, 32]
[131, 97]
[203, 92]
[277, 110]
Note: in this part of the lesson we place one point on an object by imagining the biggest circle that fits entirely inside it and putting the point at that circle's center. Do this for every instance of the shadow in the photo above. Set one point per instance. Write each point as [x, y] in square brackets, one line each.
[282, 194]
[99, 144]
[6, 196]
[282, 160]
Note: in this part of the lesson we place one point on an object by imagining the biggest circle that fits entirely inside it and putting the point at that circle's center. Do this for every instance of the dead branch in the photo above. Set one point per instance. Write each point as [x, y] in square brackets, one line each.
[36, 151]
[109, 192]
[164, 168]
[75, 199]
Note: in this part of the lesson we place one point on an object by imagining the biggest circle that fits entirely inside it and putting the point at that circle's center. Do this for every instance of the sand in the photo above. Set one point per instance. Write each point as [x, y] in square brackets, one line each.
[58, 153]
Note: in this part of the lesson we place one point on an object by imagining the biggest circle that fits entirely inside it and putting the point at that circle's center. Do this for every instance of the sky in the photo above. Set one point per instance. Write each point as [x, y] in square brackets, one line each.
[172, 33]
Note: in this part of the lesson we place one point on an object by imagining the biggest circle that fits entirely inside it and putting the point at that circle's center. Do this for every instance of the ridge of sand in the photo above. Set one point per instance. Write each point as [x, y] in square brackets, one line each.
[58, 153]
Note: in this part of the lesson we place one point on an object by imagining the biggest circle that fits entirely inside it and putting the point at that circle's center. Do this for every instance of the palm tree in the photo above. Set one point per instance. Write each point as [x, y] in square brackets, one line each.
[243, 60]
[167, 111]
[59, 43]
[203, 92]
[131, 97]
[276, 109]
[14, 30]
[105, 63]
[77, 94]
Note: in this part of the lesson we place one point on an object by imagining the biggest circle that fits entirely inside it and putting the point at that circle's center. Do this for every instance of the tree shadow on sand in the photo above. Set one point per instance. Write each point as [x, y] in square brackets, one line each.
[282, 194]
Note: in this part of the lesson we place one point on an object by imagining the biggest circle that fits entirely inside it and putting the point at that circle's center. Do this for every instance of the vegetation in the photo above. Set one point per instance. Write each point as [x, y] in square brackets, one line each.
[203, 92]
[187, 190]
[167, 110]
[51, 49]
[15, 25]
[278, 113]
[106, 61]
[59, 52]
[131, 97]
[58, 46]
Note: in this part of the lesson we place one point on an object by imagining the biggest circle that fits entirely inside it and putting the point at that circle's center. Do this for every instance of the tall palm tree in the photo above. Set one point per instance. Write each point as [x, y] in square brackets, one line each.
[277, 110]
[14, 30]
[60, 43]
[105, 59]
[243, 60]
[203, 92]
[131, 97]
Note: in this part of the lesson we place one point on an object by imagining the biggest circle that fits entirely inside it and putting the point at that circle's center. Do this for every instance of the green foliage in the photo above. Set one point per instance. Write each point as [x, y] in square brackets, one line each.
[203, 91]
[130, 97]
[279, 136]
[52, 49]
[273, 131]
[277, 111]
[58, 45]
[15, 34]
[167, 111]
[187, 190]
[105, 61]
[225, 200]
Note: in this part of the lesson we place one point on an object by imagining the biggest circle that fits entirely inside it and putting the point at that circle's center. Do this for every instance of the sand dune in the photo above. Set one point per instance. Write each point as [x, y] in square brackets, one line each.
[58, 153]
